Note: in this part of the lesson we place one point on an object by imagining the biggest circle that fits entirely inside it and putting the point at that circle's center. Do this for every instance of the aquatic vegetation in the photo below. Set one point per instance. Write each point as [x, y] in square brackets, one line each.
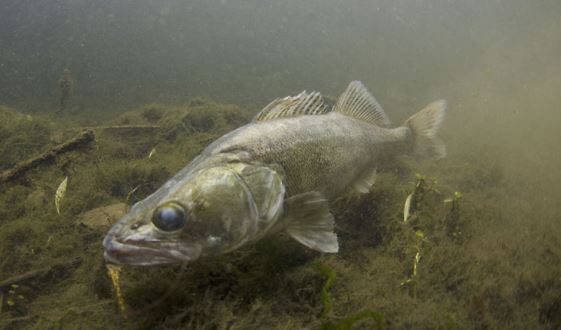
[411, 281]
[452, 220]
[13, 296]
[330, 279]
[347, 322]
[21, 136]
[415, 198]
[469, 266]
[114, 272]
[426, 228]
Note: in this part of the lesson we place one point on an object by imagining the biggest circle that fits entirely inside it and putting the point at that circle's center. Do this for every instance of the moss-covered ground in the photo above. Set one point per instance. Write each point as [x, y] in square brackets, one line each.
[486, 257]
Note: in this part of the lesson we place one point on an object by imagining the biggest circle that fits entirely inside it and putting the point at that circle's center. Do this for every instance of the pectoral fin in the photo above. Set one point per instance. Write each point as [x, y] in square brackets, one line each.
[309, 221]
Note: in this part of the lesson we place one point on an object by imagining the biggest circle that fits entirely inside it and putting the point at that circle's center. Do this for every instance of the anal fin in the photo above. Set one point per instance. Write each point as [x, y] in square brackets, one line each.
[309, 221]
[363, 184]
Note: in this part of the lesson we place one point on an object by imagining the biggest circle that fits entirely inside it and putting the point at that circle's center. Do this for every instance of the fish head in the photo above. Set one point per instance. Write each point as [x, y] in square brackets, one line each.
[213, 212]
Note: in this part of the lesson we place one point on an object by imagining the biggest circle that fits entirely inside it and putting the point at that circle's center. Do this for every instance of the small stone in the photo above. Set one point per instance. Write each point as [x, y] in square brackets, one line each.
[102, 218]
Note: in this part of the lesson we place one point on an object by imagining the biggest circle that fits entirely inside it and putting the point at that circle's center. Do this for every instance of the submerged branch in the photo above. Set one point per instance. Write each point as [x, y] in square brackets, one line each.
[57, 270]
[80, 141]
[117, 127]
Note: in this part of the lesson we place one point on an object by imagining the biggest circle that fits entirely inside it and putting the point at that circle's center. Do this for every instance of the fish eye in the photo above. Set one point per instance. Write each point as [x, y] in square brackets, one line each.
[169, 217]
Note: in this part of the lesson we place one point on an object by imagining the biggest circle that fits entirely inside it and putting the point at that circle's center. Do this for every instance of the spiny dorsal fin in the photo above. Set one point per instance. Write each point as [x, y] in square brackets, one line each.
[293, 106]
[358, 103]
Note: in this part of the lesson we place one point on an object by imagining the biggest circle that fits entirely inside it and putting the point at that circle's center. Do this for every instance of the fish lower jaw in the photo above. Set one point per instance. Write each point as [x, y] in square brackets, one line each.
[125, 253]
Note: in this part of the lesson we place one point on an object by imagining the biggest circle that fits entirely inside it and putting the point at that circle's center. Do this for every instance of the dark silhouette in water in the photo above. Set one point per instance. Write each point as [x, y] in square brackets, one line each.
[66, 86]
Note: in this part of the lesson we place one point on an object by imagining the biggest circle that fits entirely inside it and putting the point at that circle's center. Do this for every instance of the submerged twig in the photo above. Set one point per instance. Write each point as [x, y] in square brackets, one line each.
[41, 273]
[129, 195]
[80, 141]
[118, 127]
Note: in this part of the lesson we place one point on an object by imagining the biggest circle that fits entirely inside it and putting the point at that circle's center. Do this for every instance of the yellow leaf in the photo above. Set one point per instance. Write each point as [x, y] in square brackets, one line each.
[59, 195]
[152, 152]
[417, 259]
[407, 207]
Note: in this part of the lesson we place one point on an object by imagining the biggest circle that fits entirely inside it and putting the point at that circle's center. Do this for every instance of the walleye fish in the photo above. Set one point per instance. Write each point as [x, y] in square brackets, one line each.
[277, 173]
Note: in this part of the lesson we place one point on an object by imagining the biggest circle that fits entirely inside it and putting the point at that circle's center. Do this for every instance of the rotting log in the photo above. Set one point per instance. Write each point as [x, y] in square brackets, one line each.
[82, 140]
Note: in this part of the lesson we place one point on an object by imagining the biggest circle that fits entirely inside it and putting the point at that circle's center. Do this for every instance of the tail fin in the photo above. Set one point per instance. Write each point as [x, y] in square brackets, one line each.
[424, 125]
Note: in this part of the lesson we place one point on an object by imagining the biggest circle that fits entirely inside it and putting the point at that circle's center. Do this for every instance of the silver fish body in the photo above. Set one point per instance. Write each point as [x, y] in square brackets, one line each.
[323, 153]
[276, 173]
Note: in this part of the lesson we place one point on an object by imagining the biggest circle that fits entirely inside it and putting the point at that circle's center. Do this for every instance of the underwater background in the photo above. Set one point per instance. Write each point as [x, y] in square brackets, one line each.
[149, 84]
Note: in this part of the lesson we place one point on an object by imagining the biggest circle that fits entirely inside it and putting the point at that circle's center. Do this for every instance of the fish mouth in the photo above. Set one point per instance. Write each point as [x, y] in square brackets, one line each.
[143, 253]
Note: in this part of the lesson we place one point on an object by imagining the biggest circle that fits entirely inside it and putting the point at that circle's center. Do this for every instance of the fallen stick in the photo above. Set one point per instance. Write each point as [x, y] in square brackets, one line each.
[56, 271]
[80, 141]
[117, 127]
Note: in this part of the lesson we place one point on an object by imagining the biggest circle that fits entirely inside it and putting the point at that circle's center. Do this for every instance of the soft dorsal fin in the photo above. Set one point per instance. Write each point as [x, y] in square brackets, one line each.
[293, 106]
[358, 103]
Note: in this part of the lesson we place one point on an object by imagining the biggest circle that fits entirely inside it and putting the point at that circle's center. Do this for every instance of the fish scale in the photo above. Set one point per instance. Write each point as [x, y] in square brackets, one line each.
[316, 152]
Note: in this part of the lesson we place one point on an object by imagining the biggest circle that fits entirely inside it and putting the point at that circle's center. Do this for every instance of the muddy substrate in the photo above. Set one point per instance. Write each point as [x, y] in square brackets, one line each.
[477, 251]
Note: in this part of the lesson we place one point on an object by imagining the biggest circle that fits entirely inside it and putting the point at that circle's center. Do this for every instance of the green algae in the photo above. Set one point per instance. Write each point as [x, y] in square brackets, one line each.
[329, 281]
[349, 321]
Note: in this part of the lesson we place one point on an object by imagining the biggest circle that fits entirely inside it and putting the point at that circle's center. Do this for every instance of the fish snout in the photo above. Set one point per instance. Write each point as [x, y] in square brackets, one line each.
[140, 252]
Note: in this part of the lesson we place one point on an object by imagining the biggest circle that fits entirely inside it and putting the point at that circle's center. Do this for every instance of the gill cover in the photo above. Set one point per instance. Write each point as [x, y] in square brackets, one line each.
[233, 204]
[222, 208]
[213, 211]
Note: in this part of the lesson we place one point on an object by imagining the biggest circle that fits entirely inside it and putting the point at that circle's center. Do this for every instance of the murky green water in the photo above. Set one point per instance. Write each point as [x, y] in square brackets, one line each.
[156, 82]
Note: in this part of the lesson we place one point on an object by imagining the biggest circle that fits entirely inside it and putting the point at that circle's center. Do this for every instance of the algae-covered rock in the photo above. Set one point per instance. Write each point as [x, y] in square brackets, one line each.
[102, 218]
